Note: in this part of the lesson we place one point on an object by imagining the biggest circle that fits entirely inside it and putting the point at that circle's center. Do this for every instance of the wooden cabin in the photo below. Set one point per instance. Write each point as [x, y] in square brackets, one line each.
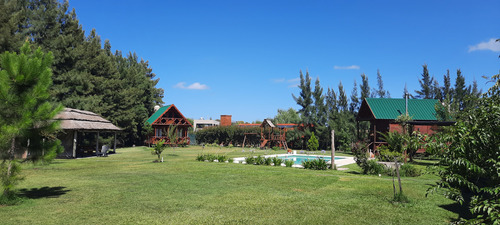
[163, 121]
[383, 112]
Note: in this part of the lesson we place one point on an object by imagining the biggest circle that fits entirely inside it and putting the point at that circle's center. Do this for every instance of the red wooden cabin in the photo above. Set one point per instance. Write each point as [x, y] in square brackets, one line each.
[163, 120]
[383, 112]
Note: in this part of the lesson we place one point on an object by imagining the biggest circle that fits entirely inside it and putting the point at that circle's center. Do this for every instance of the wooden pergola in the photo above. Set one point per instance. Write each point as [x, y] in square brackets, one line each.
[74, 121]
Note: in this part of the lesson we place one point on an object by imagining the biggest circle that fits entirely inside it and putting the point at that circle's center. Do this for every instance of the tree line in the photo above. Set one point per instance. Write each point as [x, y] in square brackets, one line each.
[87, 75]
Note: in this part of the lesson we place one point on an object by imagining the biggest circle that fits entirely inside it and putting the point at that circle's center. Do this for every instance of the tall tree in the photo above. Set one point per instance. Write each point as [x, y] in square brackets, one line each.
[426, 82]
[331, 101]
[287, 116]
[354, 105]
[365, 87]
[11, 19]
[26, 114]
[436, 90]
[380, 92]
[460, 91]
[319, 105]
[342, 99]
[447, 90]
[305, 98]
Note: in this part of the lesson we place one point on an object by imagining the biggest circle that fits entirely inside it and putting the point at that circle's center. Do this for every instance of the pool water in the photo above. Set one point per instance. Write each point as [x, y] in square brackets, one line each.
[299, 158]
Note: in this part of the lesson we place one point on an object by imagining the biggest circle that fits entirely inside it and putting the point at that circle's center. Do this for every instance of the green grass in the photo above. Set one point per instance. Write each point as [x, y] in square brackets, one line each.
[128, 188]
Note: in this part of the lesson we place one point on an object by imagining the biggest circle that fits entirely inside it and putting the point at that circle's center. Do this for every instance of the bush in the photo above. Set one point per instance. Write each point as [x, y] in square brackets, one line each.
[289, 163]
[313, 143]
[259, 160]
[315, 164]
[277, 161]
[360, 155]
[212, 158]
[408, 170]
[250, 160]
[386, 155]
[373, 167]
[275, 148]
[268, 161]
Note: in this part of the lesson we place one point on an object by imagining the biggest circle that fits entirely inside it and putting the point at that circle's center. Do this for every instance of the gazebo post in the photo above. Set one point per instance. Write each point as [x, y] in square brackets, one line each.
[75, 133]
[114, 145]
[97, 143]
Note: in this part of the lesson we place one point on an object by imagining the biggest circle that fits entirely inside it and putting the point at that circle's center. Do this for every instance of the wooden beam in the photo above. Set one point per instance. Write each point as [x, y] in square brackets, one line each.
[97, 143]
[114, 145]
[75, 133]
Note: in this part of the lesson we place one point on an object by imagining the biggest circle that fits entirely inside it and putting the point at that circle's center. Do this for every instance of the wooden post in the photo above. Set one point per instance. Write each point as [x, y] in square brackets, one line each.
[75, 133]
[333, 150]
[374, 139]
[114, 145]
[97, 143]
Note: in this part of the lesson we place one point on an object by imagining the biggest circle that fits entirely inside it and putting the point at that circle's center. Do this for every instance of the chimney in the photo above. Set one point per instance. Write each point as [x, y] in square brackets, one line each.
[225, 120]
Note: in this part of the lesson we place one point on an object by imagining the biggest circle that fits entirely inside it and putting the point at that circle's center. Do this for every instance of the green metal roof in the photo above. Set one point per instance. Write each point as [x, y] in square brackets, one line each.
[157, 114]
[391, 108]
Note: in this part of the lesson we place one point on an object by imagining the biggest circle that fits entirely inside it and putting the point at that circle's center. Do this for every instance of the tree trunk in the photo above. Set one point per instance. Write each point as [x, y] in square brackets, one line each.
[8, 175]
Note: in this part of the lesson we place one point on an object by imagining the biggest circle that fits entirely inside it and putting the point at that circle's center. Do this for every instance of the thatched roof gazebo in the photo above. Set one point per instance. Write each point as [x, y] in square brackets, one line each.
[74, 121]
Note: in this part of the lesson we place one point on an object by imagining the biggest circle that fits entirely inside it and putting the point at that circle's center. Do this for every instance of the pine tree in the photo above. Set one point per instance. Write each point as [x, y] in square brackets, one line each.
[460, 91]
[331, 101]
[342, 99]
[447, 90]
[354, 105]
[11, 17]
[305, 98]
[365, 87]
[25, 111]
[436, 90]
[426, 82]
[319, 105]
[380, 92]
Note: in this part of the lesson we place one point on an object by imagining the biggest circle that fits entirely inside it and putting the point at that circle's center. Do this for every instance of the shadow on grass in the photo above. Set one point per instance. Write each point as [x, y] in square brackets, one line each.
[172, 155]
[462, 211]
[43, 192]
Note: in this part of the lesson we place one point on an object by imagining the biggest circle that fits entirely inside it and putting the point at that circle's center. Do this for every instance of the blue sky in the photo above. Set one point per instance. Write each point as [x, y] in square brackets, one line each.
[242, 58]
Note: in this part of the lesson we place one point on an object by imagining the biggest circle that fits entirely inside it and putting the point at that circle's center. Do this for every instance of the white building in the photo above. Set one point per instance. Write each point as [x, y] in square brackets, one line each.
[201, 123]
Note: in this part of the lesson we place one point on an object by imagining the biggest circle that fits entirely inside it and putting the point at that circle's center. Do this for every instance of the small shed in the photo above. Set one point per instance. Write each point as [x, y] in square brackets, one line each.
[74, 121]
[383, 112]
[163, 121]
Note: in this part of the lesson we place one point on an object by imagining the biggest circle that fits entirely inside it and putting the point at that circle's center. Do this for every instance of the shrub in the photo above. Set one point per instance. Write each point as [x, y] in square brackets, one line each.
[277, 161]
[386, 155]
[408, 170]
[315, 164]
[313, 143]
[360, 155]
[275, 148]
[250, 160]
[259, 160]
[268, 161]
[222, 158]
[212, 158]
[373, 167]
[289, 163]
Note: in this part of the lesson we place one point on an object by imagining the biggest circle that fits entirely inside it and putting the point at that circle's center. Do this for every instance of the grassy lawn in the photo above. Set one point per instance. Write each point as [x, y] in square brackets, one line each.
[127, 188]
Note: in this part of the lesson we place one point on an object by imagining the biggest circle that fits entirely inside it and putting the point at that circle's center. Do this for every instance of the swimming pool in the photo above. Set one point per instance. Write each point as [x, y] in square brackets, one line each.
[298, 159]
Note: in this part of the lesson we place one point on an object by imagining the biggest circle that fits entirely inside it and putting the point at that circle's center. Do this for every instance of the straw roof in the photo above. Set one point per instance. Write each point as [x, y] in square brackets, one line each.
[74, 119]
